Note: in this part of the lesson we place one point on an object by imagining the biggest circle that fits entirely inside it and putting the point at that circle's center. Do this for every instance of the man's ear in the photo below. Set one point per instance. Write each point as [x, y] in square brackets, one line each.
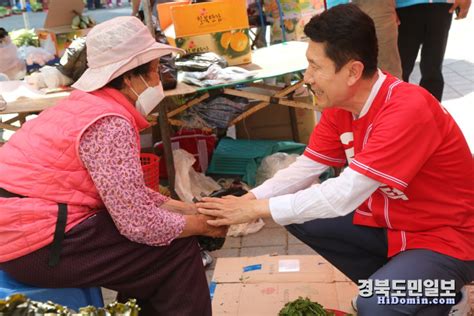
[356, 69]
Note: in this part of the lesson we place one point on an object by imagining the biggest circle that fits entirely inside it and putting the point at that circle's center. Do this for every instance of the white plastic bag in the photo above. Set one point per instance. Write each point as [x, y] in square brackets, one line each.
[245, 228]
[271, 164]
[48, 77]
[35, 55]
[190, 184]
[10, 65]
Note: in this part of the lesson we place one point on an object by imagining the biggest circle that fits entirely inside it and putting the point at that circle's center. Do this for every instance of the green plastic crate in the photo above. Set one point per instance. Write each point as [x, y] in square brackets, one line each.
[240, 157]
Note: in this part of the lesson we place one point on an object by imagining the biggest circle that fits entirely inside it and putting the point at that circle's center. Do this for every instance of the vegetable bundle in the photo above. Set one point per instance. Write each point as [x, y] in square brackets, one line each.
[20, 305]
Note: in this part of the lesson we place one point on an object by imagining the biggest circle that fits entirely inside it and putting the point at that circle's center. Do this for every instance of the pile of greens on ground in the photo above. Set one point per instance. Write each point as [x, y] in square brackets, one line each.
[20, 305]
[4, 12]
[304, 307]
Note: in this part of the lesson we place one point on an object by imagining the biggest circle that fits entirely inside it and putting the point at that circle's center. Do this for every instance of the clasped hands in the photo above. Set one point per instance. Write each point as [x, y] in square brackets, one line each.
[230, 209]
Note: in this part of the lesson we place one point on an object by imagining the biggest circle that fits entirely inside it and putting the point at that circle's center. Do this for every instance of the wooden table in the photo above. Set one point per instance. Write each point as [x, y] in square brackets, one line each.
[25, 106]
[268, 62]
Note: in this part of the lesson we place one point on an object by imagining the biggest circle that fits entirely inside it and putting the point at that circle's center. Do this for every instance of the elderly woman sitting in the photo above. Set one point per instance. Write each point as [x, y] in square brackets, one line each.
[74, 209]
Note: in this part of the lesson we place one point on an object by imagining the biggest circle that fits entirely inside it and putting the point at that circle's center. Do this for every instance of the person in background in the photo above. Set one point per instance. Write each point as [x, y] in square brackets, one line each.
[11, 65]
[426, 24]
[385, 18]
[137, 6]
[74, 208]
[94, 4]
[403, 209]
[110, 3]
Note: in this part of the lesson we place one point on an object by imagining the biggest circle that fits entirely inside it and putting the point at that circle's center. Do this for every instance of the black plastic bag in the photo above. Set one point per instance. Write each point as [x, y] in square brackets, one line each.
[211, 243]
[73, 63]
[168, 70]
[200, 61]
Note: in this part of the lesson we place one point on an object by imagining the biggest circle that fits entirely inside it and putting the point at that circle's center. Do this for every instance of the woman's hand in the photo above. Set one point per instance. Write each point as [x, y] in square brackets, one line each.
[212, 231]
[197, 225]
[233, 210]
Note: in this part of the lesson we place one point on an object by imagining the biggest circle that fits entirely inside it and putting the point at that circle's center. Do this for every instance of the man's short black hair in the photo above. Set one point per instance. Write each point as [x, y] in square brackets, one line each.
[348, 34]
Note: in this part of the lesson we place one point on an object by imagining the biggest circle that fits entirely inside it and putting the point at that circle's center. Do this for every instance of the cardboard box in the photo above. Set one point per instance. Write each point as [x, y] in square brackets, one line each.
[164, 12]
[57, 34]
[258, 126]
[263, 285]
[221, 27]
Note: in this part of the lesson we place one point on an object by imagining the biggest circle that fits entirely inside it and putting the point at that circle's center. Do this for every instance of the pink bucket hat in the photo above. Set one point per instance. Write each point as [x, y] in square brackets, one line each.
[115, 47]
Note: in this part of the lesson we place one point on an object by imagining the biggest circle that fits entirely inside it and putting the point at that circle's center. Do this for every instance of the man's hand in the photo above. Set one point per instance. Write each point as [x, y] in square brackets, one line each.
[462, 6]
[233, 210]
[249, 196]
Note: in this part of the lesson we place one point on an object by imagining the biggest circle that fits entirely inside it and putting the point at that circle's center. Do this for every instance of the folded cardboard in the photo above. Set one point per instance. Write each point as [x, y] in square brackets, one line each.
[164, 12]
[263, 285]
[57, 34]
[249, 270]
[220, 26]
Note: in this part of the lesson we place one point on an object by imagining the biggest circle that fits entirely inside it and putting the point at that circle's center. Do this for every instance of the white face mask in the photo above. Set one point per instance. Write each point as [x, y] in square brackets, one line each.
[149, 98]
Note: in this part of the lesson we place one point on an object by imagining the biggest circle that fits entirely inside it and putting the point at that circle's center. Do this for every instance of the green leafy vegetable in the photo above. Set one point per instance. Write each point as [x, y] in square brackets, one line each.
[304, 307]
[24, 37]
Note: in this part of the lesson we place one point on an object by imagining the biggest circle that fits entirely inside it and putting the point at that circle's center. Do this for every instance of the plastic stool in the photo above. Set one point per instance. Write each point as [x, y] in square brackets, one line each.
[71, 297]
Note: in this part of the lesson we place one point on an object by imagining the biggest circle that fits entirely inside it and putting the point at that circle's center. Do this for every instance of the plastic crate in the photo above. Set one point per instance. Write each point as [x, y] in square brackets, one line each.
[240, 157]
[151, 170]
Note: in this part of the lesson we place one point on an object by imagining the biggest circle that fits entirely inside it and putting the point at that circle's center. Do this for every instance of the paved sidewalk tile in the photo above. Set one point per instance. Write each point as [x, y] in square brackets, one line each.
[232, 242]
[300, 250]
[292, 240]
[266, 237]
[260, 251]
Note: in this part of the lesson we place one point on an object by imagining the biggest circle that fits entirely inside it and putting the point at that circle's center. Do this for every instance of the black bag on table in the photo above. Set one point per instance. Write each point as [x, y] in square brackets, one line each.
[168, 70]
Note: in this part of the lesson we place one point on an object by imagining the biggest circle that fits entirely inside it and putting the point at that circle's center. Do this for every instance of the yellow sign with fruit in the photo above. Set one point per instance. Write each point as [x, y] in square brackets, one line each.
[220, 26]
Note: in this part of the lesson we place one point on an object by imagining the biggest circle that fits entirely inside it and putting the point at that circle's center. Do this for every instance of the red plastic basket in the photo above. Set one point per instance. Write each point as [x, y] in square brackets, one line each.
[151, 170]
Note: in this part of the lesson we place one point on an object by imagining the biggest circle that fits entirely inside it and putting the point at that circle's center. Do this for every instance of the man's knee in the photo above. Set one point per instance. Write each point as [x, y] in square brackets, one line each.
[304, 231]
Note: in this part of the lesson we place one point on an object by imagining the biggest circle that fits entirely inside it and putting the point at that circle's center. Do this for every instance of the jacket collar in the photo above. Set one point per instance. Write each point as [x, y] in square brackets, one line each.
[116, 96]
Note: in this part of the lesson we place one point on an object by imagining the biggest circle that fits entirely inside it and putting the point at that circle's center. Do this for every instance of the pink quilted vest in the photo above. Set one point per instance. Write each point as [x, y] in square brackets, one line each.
[41, 161]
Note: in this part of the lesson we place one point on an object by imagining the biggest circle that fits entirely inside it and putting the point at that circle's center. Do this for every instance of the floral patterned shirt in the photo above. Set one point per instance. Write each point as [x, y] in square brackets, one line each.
[109, 150]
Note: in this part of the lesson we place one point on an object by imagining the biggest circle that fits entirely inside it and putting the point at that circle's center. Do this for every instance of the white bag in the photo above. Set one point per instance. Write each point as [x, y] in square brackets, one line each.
[190, 184]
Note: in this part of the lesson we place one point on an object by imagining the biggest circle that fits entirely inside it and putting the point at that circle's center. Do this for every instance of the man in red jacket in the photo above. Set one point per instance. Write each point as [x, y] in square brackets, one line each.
[399, 219]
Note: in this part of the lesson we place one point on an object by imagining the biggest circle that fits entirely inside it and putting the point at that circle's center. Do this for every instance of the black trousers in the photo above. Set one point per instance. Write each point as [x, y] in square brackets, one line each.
[360, 253]
[93, 3]
[168, 280]
[426, 26]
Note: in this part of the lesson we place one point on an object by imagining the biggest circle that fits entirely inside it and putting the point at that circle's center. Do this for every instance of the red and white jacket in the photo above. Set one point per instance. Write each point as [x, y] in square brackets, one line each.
[411, 144]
